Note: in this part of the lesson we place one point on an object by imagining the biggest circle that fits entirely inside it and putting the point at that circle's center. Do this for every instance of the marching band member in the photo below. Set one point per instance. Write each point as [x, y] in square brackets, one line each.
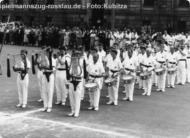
[141, 58]
[60, 76]
[161, 59]
[22, 78]
[48, 66]
[154, 76]
[39, 74]
[172, 64]
[188, 63]
[130, 64]
[114, 66]
[182, 64]
[101, 52]
[96, 71]
[147, 67]
[76, 84]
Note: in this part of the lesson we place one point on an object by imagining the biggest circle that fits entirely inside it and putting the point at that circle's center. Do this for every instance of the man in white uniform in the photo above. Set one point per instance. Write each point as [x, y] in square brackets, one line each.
[130, 64]
[147, 67]
[96, 71]
[188, 63]
[76, 83]
[182, 64]
[161, 59]
[60, 76]
[22, 78]
[114, 66]
[48, 67]
[172, 64]
[141, 58]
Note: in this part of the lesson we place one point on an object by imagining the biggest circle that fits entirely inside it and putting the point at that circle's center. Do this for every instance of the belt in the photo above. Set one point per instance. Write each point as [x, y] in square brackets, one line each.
[114, 71]
[47, 74]
[172, 62]
[95, 76]
[161, 62]
[61, 69]
[182, 60]
[147, 66]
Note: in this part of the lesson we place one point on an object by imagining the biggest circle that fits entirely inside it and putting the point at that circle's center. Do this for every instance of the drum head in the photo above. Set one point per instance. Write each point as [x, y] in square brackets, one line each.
[128, 77]
[171, 69]
[158, 70]
[90, 85]
[108, 80]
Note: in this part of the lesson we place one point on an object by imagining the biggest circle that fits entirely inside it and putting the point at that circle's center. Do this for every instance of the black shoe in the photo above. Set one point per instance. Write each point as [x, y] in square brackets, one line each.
[71, 115]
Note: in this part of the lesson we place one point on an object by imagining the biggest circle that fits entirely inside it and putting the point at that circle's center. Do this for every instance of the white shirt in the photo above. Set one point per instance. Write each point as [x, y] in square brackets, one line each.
[63, 59]
[172, 58]
[114, 64]
[142, 57]
[161, 57]
[130, 63]
[102, 54]
[96, 68]
[21, 64]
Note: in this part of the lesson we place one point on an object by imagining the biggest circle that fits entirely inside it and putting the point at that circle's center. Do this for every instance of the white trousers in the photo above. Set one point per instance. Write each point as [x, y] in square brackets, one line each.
[60, 86]
[22, 86]
[161, 80]
[48, 90]
[130, 90]
[148, 86]
[154, 78]
[171, 79]
[181, 72]
[83, 92]
[39, 79]
[75, 97]
[188, 70]
[95, 96]
[113, 92]
[141, 83]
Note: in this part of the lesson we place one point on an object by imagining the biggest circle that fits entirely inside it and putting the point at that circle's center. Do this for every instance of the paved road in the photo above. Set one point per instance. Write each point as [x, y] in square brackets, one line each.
[161, 115]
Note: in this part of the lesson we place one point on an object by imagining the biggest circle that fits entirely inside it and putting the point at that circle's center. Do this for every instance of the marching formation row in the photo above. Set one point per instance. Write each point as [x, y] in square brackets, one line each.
[73, 73]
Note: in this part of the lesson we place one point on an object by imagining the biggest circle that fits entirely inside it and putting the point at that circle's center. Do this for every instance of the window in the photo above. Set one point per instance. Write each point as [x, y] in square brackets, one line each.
[148, 3]
[18, 1]
[184, 3]
[49, 2]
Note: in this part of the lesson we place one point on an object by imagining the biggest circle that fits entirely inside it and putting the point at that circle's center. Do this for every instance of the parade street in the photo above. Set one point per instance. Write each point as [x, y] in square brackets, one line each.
[162, 115]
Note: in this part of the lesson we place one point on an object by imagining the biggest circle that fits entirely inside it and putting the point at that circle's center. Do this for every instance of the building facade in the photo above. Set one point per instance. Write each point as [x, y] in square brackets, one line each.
[160, 14]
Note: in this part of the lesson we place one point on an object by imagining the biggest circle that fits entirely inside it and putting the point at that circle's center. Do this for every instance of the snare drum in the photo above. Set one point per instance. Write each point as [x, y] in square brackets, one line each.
[171, 71]
[91, 87]
[127, 79]
[159, 72]
[145, 76]
[110, 82]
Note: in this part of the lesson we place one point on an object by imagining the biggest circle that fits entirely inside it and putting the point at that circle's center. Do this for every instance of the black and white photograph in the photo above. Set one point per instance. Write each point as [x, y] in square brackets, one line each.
[94, 68]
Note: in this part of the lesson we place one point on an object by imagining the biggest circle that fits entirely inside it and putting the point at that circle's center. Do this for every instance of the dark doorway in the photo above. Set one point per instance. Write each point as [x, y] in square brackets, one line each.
[98, 13]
